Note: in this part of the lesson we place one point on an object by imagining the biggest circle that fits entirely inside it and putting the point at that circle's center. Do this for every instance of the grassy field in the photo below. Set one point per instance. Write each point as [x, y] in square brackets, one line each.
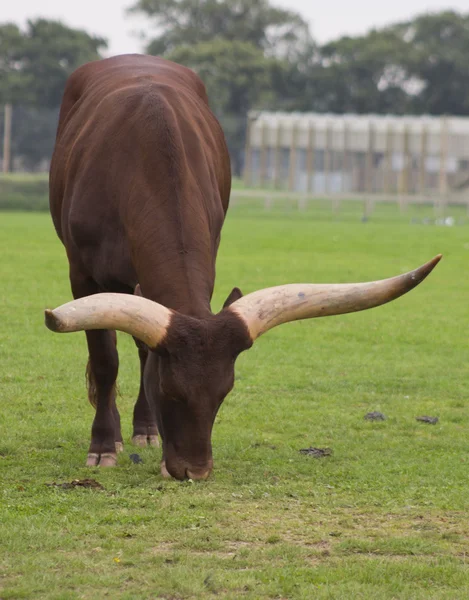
[30, 191]
[384, 517]
[24, 191]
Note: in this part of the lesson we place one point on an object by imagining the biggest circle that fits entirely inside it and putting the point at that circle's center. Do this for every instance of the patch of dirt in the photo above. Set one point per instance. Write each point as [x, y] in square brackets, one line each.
[236, 545]
[316, 452]
[162, 547]
[263, 445]
[83, 483]
[431, 420]
[230, 549]
[375, 416]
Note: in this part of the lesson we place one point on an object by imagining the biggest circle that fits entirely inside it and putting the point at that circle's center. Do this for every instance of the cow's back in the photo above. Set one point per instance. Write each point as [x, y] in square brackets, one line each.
[140, 172]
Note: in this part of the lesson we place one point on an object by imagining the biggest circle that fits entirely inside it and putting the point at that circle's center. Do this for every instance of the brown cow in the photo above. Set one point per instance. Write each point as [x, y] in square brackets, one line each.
[139, 187]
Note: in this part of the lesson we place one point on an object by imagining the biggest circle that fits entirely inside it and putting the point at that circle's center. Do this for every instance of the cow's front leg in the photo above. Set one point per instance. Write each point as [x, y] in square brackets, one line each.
[103, 364]
[144, 423]
[106, 437]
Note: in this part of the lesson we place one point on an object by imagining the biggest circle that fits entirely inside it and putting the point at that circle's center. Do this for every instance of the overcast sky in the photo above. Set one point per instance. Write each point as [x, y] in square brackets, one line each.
[328, 19]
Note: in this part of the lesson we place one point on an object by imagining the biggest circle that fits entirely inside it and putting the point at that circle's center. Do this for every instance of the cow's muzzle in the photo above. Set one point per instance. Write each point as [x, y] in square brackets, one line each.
[181, 472]
[201, 475]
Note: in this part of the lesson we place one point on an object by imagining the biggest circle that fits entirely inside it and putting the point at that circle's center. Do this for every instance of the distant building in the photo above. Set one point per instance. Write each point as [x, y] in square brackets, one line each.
[325, 154]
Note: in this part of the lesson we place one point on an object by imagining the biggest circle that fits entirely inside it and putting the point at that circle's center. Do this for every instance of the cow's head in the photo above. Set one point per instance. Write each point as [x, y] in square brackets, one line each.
[187, 376]
[190, 368]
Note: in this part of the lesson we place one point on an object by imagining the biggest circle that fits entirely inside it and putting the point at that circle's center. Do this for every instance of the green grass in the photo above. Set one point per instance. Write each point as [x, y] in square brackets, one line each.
[384, 517]
[24, 191]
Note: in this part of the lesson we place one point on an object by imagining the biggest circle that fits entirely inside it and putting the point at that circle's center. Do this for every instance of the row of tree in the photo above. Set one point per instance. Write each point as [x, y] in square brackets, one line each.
[251, 55]
[34, 65]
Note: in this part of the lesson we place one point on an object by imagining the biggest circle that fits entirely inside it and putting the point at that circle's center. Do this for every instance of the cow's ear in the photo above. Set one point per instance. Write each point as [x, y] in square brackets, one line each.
[138, 291]
[236, 294]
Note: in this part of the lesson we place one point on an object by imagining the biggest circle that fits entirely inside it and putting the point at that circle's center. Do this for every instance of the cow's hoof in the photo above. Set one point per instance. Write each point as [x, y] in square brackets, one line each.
[153, 441]
[92, 460]
[119, 447]
[107, 459]
[164, 470]
[142, 441]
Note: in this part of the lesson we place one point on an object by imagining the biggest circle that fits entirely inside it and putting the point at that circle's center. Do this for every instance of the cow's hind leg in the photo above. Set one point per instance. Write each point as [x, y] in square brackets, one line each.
[103, 364]
[145, 428]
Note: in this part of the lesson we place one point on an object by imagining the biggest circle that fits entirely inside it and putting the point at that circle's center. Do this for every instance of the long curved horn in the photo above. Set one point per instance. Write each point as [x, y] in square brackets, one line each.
[144, 319]
[270, 307]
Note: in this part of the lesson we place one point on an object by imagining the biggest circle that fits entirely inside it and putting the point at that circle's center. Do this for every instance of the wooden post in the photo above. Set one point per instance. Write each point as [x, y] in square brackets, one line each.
[406, 169]
[278, 157]
[423, 162]
[302, 203]
[327, 159]
[388, 160]
[248, 154]
[263, 155]
[268, 202]
[334, 169]
[8, 114]
[344, 168]
[293, 153]
[369, 175]
[443, 166]
[310, 159]
[345, 157]
[369, 206]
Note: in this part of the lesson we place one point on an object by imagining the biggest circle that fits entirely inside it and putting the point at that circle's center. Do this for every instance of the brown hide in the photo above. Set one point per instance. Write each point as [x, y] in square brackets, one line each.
[140, 180]
[139, 187]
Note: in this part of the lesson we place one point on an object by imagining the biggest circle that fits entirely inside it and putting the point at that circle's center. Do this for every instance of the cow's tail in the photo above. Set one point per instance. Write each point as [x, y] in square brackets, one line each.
[92, 389]
[91, 385]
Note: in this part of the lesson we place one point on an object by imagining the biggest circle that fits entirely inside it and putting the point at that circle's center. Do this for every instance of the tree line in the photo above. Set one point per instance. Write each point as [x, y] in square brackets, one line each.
[251, 55]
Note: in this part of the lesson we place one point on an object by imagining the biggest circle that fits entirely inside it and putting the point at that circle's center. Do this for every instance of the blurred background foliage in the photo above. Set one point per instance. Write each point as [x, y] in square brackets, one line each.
[251, 55]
